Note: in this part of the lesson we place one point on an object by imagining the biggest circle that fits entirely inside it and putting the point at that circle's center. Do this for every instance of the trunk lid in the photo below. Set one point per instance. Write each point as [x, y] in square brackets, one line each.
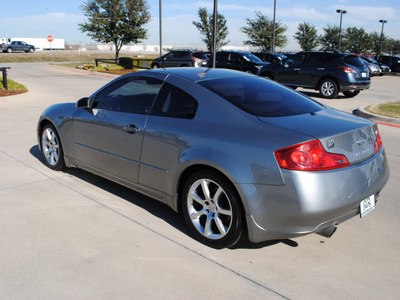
[339, 132]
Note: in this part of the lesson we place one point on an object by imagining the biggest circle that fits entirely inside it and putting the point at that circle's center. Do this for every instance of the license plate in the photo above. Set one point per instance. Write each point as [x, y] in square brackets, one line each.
[364, 75]
[367, 205]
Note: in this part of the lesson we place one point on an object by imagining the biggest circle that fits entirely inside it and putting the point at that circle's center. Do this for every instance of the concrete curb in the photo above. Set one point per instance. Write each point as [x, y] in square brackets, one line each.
[361, 112]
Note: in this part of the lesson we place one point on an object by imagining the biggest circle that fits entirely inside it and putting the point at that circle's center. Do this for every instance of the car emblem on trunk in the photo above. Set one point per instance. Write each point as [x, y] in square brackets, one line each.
[360, 141]
[330, 143]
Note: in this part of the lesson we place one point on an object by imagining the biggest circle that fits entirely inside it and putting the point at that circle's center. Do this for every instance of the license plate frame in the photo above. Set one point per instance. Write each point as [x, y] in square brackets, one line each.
[367, 205]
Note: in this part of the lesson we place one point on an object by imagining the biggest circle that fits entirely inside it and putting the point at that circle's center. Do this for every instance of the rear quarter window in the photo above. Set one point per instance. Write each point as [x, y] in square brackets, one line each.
[261, 97]
[354, 61]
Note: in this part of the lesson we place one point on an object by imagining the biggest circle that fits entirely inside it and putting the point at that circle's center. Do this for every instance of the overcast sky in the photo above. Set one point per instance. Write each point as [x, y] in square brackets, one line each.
[39, 18]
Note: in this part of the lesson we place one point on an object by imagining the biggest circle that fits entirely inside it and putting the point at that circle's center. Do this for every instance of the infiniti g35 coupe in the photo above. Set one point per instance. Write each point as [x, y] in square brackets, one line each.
[237, 154]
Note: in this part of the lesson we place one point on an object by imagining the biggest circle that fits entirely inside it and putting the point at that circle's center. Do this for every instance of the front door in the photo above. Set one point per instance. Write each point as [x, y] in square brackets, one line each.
[108, 136]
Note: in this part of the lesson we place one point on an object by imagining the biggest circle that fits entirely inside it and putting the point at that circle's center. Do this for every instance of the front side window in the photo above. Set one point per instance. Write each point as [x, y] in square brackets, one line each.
[175, 103]
[131, 95]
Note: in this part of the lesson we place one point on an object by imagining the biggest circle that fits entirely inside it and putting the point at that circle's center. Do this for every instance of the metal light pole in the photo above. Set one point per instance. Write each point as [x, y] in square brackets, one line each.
[383, 22]
[214, 47]
[341, 12]
[160, 29]
[273, 28]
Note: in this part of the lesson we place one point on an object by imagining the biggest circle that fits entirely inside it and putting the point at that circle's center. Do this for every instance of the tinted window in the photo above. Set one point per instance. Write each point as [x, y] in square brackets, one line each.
[298, 59]
[261, 97]
[132, 95]
[315, 58]
[200, 55]
[251, 57]
[223, 56]
[354, 61]
[173, 102]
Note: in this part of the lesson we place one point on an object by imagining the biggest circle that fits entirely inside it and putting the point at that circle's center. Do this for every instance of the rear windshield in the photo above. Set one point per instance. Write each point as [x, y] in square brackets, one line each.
[200, 55]
[261, 97]
[354, 61]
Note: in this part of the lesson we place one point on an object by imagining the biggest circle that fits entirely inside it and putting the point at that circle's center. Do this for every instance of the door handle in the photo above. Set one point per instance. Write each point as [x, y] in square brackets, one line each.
[296, 69]
[131, 128]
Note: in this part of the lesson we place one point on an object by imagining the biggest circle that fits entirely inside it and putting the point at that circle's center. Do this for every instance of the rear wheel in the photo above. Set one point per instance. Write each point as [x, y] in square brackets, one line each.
[155, 66]
[212, 209]
[51, 148]
[9, 50]
[350, 94]
[328, 89]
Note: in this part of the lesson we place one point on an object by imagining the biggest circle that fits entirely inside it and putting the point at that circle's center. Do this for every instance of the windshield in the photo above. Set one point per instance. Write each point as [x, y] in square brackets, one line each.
[251, 57]
[261, 97]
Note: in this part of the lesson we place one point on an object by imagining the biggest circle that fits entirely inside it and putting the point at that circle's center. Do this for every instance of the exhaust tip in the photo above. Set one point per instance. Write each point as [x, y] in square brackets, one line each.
[327, 232]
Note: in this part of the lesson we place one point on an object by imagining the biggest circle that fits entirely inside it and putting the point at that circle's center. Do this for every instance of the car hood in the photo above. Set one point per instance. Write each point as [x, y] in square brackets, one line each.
[338, 132]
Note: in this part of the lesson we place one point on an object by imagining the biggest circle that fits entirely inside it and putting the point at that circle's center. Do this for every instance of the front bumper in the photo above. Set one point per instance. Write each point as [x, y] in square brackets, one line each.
[311, 201]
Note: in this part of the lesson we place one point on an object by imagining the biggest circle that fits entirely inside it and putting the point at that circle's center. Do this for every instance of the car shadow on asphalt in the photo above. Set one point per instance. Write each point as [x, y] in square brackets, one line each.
[152, 206]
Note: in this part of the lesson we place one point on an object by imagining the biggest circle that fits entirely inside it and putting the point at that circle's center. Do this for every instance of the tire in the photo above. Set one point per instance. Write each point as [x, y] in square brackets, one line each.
[155, 66]
[31, 50]
[212, 209]
[9, 50]
[350, 94]
[51, 148]
[328, 89]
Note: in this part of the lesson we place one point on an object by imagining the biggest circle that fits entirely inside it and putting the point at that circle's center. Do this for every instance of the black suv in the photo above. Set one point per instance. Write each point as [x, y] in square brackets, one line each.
[392, 61]
[242, 61]
[181, 58]
[328, 72]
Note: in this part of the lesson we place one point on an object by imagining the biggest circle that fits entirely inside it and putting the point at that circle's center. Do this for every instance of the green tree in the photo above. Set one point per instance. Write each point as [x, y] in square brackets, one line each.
[260, 33]
[330, 39]
[307, 36]
[393, 46]
[357, 40]
[206, 27]
[116, 21]
[376, 43]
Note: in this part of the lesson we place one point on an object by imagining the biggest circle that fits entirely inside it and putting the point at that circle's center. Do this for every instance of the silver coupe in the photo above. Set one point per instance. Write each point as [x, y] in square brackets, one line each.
[238, 155]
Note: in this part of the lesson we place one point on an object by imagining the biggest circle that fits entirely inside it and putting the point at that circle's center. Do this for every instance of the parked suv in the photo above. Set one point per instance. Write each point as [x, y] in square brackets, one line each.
[181, 58]
[328, 72]
[392, 61]
[242, 61]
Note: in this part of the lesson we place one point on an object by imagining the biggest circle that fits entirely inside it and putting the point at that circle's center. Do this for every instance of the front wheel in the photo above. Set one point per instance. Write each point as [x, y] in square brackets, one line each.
[51, 148]
[328, 89]
[212, 209]
[31, 50]
[350, 94]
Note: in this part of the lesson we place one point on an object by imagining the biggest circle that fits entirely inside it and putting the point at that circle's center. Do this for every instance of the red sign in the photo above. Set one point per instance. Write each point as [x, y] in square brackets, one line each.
[50, 38]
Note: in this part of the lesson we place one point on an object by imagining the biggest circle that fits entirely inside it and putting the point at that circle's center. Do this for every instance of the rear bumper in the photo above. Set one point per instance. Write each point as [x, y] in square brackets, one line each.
[358, 86]
[311, 201]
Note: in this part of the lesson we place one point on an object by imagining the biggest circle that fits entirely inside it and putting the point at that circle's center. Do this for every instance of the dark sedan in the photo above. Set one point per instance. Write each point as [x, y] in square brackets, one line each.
[237, 154]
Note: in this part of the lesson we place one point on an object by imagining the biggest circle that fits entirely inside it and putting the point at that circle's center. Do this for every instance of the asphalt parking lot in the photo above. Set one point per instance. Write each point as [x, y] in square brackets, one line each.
[73, 235]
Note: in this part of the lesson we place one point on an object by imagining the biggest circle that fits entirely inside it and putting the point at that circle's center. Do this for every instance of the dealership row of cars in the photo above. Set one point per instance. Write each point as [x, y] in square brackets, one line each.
[325, 71]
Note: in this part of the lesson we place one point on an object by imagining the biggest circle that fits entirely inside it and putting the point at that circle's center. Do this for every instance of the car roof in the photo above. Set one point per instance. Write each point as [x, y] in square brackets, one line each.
[197, 74]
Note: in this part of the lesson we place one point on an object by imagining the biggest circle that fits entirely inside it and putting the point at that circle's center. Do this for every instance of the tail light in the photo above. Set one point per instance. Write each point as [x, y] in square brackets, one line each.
[378, 141]
[310, 156]
[348, 70]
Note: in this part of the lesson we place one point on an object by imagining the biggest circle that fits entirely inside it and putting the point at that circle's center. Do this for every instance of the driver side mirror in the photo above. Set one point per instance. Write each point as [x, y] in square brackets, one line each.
[83, 103]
